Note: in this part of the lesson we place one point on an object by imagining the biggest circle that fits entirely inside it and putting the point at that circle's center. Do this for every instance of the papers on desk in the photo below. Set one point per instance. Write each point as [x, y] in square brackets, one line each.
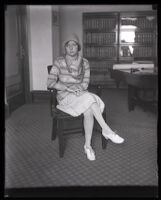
[143, 71]
[144, 66]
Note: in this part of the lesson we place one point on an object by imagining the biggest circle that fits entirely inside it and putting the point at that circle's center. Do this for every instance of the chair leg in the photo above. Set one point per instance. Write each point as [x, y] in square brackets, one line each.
[83, 133]
[104, 141]
[54, 129]
[60, 137]
[51, 102]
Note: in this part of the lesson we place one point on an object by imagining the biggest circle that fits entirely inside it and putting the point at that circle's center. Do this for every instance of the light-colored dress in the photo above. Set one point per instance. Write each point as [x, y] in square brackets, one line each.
[76, 105]
[76, 76]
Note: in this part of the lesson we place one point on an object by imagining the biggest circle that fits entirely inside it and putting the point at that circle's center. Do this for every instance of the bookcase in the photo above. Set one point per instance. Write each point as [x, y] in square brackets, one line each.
[118, 37]
[100, 41]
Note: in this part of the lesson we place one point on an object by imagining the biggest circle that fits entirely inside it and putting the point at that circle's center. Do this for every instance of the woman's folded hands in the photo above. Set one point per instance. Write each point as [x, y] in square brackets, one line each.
[76, 89]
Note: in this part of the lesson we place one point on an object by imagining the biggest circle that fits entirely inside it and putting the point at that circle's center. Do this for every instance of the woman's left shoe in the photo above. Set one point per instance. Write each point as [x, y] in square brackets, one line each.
[113, 137]
[90, 153]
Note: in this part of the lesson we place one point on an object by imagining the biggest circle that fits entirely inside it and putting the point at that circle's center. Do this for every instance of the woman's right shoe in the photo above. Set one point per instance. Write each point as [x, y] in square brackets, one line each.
[90, 153]
[113, 137]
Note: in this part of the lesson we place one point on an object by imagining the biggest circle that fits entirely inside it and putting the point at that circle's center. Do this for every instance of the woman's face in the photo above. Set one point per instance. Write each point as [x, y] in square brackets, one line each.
[71, 48]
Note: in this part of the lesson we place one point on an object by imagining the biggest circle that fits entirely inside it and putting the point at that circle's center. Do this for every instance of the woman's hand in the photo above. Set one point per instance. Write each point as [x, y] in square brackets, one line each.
[70, 90]
[78, 92]
[76, 89]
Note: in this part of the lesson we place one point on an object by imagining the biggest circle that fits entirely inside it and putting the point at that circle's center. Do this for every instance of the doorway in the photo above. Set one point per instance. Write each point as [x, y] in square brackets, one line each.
[16, 57]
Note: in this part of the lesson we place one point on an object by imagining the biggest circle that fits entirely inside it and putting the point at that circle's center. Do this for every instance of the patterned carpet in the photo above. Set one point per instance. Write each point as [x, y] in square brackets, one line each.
[32, 159]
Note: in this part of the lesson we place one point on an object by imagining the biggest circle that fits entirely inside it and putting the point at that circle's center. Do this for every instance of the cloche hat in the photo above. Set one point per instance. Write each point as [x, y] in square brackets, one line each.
[72, 37]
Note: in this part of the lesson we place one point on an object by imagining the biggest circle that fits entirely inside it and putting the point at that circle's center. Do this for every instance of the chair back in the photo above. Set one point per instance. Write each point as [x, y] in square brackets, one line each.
[49, 68]
[53, 93]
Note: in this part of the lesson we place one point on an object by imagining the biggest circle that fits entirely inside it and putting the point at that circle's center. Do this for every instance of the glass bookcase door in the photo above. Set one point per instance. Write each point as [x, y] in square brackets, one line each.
[100, 43]
[100, 38]
[137, 37]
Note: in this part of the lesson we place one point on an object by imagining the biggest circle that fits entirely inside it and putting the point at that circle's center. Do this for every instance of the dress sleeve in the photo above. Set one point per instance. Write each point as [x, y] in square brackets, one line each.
[86, 78]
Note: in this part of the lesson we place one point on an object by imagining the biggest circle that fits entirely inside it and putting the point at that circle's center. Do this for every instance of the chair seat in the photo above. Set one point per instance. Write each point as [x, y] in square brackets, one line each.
[62, 115]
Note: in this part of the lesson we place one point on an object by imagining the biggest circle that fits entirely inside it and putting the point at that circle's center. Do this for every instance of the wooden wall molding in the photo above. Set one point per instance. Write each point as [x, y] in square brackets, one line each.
[44, 96]
[40, 96]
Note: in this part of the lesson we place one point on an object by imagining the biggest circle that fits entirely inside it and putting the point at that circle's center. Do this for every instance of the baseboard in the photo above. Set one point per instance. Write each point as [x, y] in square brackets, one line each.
[15, 102]
[40, 96]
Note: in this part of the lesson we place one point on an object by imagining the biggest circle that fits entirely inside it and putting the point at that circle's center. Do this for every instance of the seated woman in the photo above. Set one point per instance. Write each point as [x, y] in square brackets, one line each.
[70, 75]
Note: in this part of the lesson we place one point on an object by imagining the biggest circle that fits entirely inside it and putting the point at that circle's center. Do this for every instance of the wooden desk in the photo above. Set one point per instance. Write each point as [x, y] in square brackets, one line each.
[137, 81]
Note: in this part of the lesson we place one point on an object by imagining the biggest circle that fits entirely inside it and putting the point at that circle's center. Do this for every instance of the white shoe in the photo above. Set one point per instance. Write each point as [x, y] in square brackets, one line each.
[113, 137]
[90, 153]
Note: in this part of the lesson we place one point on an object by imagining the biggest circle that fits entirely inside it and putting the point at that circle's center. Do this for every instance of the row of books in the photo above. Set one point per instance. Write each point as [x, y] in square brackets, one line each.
[138, 52]
[143, 52]
[100, 38]
[106, 52]
[100, 65]
[105, 81]
[100, 23]
[109, 38]
[139, 22]
[143, 37]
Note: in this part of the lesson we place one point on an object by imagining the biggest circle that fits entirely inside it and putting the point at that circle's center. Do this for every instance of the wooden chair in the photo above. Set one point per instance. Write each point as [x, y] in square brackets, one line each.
[64, 124]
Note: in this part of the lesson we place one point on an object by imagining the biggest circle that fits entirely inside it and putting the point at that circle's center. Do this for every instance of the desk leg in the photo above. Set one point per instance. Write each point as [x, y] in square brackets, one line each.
[131, 96]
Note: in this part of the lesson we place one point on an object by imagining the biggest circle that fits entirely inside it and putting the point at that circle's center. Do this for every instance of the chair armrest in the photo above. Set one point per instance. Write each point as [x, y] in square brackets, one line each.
[98, 88]
[53, 100]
